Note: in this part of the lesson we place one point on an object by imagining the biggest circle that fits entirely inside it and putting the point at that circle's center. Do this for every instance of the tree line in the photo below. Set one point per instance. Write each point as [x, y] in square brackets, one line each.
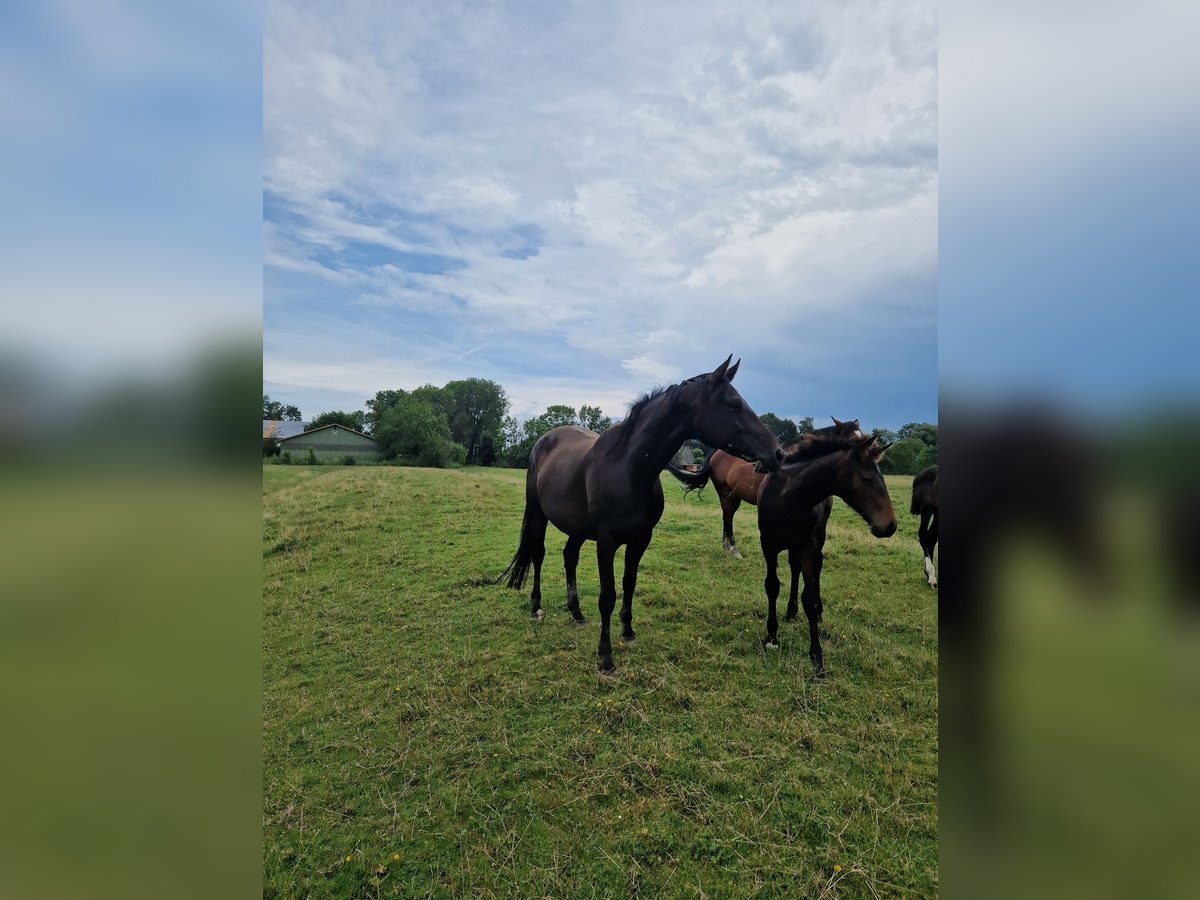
[467, 422]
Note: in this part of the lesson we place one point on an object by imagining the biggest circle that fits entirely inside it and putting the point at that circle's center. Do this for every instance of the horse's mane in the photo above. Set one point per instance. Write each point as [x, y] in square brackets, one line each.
[623, 429]
[820, 442]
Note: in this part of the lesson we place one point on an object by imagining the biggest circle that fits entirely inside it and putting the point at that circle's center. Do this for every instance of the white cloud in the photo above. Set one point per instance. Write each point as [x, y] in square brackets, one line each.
[682, 175]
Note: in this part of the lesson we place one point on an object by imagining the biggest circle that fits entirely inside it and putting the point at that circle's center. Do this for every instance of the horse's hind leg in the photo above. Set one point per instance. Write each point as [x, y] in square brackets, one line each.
[570, 564]
[537, 536]
[793, 607]
[811, 561]
[927, 535]
[633, 558]
[729, 505]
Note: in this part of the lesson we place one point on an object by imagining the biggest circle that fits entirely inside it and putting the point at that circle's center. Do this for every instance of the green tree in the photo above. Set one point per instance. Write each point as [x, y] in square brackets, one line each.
[805, 426]
[412, 431]
[475, 410]
[886, 435]
[273, 409]
[378, 405]
[785, 430]
[903, 457]
[532, 429]
[356, 420]
[926, 433]
[928, 457]
[593, 418]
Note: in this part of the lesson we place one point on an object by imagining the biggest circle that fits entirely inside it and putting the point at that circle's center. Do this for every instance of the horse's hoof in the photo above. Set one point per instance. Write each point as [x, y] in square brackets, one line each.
[579, 622]
[771, 645]
[537, 616]
[791, 617]
[607, 669]
[737, 555]
[628, 641]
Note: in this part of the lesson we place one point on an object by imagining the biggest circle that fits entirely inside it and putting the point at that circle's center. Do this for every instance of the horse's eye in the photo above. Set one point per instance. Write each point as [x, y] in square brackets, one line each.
[734, 404]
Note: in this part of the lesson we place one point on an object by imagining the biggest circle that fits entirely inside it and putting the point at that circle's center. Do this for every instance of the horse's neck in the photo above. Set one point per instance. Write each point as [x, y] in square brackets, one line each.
[655, 438]
[815, 481]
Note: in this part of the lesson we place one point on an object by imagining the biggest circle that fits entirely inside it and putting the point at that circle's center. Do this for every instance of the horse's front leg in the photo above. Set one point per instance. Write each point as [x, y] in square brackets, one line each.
[811, 561]
[606, 551]
[633, 557]
[771, 583]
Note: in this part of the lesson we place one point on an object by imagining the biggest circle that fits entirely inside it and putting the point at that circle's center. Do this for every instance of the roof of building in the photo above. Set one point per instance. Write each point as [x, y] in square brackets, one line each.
[279, 429]
[323, 427]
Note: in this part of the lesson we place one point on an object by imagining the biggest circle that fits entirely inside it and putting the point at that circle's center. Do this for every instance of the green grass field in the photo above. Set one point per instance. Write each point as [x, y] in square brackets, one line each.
[423, 738]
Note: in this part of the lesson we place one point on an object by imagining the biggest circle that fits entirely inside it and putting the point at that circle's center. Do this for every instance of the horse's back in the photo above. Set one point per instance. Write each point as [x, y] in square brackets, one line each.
[731, 474]
[925, 491]
[557, 474]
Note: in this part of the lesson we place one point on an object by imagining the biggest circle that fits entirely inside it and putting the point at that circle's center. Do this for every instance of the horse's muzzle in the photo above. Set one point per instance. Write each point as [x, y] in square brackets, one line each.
[886, 531]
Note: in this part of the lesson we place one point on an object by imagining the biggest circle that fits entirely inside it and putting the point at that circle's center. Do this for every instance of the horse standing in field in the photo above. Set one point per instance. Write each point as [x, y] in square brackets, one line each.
[605, 488]
[925, 504]
[737, 481]
[792, 516]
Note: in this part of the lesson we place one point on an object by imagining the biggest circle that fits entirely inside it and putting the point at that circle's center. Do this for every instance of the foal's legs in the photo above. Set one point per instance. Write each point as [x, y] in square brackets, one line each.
[537, 537]
[606, 551]
[729, 505]
[793, 607]
[811, 560]
[570, 562]
[633, 556]
[771, 583]
[927, 535]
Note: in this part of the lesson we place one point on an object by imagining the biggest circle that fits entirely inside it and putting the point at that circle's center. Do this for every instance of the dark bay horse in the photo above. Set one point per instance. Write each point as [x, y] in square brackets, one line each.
[605, 488]
[791, 517]
[925, 504]
[737, 481]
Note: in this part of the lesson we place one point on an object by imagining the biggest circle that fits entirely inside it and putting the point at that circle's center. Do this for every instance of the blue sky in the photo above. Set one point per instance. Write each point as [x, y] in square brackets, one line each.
[581, 201]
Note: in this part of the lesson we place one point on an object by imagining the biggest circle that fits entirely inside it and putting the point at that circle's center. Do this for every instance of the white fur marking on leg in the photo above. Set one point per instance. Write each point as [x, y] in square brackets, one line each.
[930, 574]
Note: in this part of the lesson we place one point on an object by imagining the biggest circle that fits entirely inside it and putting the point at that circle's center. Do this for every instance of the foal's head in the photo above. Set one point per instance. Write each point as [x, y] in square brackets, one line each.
[855, 461]
[862, 485]
[724, 420]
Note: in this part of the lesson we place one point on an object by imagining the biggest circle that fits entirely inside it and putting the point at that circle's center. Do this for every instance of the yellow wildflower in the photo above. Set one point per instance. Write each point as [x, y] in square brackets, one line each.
[395, 856]
[837, 867]
[349, 857]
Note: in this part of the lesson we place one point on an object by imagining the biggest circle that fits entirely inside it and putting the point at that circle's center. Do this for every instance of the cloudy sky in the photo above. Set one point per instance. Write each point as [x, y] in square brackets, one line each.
[583, 200]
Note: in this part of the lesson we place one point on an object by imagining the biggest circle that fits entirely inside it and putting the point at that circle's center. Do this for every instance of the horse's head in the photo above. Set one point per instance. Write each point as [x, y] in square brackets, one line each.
[861, 485]
[724, 420]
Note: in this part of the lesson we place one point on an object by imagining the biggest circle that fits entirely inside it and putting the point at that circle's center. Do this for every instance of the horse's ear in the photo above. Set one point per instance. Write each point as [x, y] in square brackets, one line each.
[880, 449]
[717, 375]
[864, 446]
[732, 370]
[836, 422]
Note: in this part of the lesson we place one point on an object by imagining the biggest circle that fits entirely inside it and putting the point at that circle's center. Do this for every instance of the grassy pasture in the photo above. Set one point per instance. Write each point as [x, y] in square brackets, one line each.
[423, 738]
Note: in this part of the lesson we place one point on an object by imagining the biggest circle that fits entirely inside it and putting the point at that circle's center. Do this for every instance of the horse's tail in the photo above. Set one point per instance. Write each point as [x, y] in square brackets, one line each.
[519, 567]
[694, 481]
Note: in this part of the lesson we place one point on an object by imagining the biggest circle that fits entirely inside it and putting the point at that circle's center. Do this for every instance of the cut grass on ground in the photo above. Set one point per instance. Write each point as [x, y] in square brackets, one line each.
[423, 738]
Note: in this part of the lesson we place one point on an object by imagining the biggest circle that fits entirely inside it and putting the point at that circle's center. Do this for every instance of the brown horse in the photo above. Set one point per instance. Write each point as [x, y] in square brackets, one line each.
[791, 518]
[605, 488]
[736, 481]
[925, 504]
